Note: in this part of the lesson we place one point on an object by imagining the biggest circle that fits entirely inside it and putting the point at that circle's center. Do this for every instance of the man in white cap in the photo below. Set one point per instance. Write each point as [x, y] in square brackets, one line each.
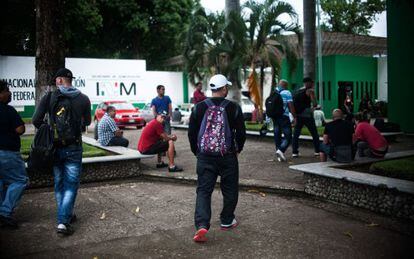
[217, 135]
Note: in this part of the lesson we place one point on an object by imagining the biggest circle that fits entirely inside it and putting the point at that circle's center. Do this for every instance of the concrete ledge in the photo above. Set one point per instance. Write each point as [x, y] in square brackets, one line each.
[120, 153]
[333, 170]
[381, 194]
[124, 163]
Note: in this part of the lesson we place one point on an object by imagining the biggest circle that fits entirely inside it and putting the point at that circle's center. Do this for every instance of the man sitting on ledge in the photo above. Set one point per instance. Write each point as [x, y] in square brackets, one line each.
[369, 140]
[154, 140]
[108, 133]
[337, 139]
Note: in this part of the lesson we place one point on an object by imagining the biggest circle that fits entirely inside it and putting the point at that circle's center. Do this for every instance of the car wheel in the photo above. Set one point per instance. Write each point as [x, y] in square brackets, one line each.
[121, 127]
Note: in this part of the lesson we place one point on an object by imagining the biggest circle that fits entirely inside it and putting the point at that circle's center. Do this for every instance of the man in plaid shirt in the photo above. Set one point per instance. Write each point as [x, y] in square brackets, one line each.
[108, 132]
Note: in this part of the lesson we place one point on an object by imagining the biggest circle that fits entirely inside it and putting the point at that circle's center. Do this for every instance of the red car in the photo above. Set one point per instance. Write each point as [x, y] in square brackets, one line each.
[126, 114]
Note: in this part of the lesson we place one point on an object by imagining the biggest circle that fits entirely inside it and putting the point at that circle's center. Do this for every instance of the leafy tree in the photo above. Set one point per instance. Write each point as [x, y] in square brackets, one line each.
[351, 16]
[18, 28]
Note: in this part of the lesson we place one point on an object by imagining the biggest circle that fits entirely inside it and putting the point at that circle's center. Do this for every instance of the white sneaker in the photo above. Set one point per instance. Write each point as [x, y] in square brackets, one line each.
[295, 155]
[280, 156]
[316, 154]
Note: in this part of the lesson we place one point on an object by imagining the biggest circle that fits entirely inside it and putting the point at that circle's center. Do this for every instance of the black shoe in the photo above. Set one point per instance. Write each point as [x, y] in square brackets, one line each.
[174, 169]
[162, 165]
[8, 222]
[65, 229]
[73, 219]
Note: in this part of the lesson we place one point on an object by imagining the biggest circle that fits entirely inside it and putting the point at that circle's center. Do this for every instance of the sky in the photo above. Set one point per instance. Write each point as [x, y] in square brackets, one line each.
[378, 29]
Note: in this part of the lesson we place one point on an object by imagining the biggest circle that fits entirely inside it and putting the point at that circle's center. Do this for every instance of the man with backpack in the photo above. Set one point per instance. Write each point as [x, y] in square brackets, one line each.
[278, 105]
[217, 134]
[304, 102]
[69, 111]
[13, 177]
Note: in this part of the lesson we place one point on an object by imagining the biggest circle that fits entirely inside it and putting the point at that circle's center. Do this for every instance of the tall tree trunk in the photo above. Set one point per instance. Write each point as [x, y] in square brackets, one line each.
[234, 91]
[50, 45]
[309, 38]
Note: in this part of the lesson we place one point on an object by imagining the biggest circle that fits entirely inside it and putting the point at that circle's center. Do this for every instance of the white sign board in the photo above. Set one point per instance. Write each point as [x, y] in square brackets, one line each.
[100, 79]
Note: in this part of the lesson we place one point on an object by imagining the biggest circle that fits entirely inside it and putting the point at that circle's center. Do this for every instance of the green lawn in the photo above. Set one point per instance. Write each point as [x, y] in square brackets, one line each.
[258, 126]
[88, 150]
[399, 168]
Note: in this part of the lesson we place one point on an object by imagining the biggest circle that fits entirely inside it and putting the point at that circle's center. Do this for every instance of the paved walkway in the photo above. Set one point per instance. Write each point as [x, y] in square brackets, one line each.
[145, 219]
[155, 220]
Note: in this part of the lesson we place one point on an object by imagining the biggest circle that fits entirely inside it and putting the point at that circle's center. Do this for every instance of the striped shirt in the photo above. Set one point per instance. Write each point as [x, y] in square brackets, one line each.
[287, 97]
[106, 129]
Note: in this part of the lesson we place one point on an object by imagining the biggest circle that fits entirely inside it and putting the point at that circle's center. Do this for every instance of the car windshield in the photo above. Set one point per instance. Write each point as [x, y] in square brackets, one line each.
[123, 106]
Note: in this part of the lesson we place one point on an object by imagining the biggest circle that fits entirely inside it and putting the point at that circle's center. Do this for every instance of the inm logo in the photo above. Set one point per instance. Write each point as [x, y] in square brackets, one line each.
[106, 88]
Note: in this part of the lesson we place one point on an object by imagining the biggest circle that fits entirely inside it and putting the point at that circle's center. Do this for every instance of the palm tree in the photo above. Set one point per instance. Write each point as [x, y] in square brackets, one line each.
[214, 45]
[233, 20]
[266, 44]
[309, 38]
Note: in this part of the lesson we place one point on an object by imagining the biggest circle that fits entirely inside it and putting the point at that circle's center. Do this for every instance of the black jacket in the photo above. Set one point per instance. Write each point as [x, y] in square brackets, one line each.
[236, 124]
[81, 108]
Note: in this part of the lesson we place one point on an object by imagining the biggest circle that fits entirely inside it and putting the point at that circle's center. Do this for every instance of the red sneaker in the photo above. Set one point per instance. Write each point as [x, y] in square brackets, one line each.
[200, 235]
[233, 224]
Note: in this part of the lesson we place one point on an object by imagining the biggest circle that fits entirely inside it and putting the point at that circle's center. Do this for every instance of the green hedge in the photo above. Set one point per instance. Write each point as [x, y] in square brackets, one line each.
[88, 150]
[398, 168]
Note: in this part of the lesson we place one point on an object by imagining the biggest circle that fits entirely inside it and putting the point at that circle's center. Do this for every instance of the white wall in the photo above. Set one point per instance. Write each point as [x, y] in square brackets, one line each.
[382, 79]
[100, 79]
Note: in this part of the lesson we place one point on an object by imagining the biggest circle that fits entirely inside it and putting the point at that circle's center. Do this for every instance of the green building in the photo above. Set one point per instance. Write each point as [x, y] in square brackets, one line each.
[348, 68]
[400, 24]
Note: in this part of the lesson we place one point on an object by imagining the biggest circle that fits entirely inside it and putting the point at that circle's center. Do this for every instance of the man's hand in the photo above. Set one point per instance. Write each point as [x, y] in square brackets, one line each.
[173, 137]
[119, 133]
[293, 122]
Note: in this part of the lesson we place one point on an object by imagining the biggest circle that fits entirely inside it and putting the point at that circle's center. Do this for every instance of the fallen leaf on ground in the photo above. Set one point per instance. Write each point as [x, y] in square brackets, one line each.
[372, 224]
[258, 192]
[290, 163]
[137, 209]
[348, 234]
[103, 216]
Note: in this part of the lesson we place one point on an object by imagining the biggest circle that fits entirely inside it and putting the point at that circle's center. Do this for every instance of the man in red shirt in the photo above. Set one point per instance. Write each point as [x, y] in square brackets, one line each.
[198, 95]
[154, 140]
[369, 140]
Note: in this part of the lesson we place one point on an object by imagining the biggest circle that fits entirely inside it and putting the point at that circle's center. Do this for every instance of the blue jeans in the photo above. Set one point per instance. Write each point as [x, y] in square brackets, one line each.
[208, 169]
[67, 170]
[309, 122]
[282, 125]
[167, 126]
[13, 181]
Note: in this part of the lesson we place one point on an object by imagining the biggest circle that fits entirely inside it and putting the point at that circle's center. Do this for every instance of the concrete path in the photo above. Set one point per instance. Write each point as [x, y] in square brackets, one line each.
[155, 220]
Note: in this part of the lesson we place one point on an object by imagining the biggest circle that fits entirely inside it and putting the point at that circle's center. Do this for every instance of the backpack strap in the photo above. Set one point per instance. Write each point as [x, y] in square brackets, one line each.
[209, 102]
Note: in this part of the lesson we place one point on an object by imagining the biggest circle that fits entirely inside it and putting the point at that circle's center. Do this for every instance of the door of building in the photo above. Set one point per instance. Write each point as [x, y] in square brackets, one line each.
[345, 88]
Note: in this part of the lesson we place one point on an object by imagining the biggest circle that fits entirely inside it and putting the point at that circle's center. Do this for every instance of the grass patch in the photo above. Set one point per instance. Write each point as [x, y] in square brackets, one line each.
[398, 168]
[88, 150]
[27, 120]
[257, 126]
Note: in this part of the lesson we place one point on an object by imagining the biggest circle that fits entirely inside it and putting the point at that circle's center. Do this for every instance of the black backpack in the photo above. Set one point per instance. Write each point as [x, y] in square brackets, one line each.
[42, 151]
[274, 105]
[66, 132]
[301, 101]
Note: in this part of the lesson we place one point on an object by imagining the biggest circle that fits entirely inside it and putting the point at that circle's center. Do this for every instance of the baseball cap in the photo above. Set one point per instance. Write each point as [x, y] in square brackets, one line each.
[64, 72]
[218, 81]
[163, 113]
